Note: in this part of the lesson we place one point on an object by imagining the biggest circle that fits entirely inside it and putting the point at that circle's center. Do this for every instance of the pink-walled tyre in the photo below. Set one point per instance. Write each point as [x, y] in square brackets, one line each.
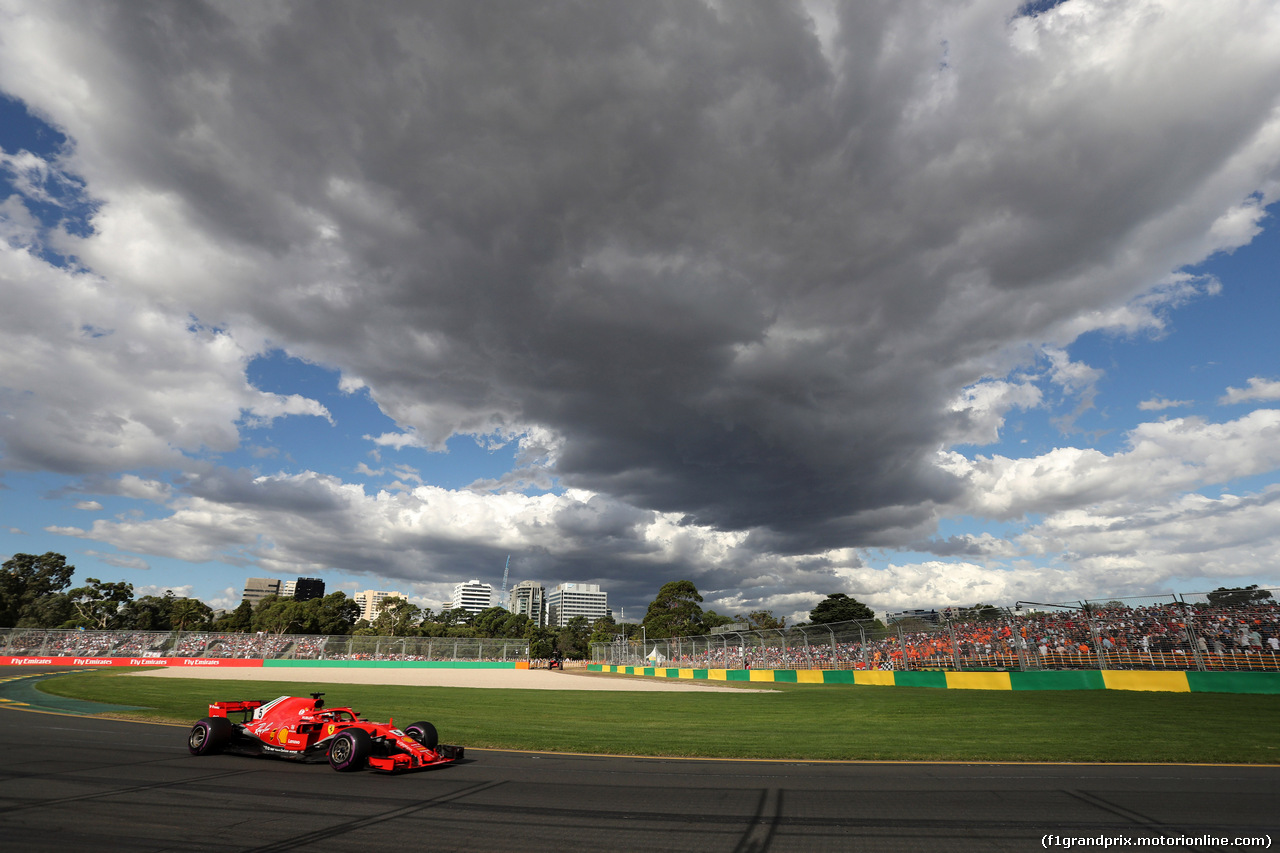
[424, 733]
[209, 735]
[350, 750]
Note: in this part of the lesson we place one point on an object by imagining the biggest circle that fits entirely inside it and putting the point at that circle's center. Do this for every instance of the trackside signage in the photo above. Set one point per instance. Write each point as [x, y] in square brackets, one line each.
[74, 661]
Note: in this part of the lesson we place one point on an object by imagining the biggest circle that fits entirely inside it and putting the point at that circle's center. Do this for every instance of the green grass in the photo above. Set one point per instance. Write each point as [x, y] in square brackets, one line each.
[813, 722]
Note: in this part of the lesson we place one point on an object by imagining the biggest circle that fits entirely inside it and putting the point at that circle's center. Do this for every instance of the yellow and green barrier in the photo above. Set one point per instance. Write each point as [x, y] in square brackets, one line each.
[1168, 682]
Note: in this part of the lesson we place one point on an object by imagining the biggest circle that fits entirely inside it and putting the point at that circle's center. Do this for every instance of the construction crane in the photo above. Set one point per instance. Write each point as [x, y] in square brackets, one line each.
[506, 570]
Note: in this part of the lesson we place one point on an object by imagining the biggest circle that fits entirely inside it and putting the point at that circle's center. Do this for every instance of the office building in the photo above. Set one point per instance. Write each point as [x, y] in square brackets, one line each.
[472, 596]
[306, 589]
[570, 600]
[370, 601]
[256, 589]
[529, 598]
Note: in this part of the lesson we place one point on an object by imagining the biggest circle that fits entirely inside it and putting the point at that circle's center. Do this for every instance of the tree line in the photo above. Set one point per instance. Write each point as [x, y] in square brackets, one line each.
[36, 592]
[677, 612]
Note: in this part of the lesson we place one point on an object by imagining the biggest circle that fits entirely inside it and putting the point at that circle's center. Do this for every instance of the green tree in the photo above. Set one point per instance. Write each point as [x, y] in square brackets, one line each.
[763, 620]
[24, 580]
[97, 605]
[572, 639]
[1234, 596]
[542, 641]
[676, 612]
[49, 611]
[275, 614]
[712, 619]
[335, 614]
[451, 617]
[190, 614]
[490, 622]
[604, 630]
[397, 617]
[838, 607]
[148, 613]
[499, 623]
[237, 621]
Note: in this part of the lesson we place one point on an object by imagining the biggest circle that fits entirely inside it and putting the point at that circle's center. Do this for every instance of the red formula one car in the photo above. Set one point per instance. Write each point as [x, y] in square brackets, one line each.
[304, 729]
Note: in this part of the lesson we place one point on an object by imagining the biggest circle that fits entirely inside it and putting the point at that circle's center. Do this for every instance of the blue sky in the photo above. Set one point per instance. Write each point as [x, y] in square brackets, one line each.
[785, 300]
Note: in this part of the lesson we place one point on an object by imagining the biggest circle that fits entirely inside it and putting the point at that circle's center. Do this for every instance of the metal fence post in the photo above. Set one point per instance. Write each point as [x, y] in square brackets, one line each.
[1188, 622]
[1019, 641]
[1097, 638]
[955, 646]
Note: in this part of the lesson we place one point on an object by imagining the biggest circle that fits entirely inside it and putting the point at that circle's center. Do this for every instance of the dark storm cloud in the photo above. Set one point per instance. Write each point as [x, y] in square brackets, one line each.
[737, 262]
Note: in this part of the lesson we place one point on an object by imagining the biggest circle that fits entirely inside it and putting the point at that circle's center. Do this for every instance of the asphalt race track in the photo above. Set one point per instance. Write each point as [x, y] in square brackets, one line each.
[72, 783]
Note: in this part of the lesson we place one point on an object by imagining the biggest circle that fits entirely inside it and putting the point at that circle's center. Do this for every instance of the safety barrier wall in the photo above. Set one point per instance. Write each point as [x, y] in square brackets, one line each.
[61, 643]
[204, 663]
[193, 663]
[1169, 682]
[395, 664]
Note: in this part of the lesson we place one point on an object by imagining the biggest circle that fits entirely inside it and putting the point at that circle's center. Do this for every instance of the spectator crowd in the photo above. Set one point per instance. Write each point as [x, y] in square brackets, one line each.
[1164, 636]
[1171, 635]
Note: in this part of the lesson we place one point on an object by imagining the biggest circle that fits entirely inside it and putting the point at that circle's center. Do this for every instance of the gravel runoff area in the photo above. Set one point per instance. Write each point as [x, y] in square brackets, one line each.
[506, 679]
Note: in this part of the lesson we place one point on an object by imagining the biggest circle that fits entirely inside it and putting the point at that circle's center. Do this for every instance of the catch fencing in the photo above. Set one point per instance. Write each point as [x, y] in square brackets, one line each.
[36, 642]
[1171, 632]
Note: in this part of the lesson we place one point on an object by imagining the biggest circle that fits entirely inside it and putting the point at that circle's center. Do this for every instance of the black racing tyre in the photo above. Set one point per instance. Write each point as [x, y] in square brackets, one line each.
[209, 735]
[424, 733]
[350, 749]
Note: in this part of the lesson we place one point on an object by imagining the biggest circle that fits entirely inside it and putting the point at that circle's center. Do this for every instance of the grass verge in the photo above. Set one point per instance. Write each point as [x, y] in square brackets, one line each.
[826, 722]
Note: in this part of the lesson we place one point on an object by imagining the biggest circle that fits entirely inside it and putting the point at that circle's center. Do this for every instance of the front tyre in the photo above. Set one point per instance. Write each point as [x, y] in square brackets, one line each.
[209, 735]
[424, 733]
[350, 750]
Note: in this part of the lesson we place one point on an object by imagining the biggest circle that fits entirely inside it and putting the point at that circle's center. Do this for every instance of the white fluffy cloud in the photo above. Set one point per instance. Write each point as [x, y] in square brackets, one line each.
[1259, 389]
[1163, 458]
[96, 379]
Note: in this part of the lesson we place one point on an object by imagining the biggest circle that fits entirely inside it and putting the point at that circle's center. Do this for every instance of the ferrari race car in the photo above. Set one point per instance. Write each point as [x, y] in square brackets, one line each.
[304, 729]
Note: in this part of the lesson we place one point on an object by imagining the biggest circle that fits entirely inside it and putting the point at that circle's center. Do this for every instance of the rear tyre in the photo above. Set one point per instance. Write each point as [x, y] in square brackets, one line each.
[424, 733]
[209, 735]
[350, 750]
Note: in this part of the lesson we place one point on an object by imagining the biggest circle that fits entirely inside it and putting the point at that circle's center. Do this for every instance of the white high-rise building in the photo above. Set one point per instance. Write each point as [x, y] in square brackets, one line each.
[569, 600]
[472, 596]
[370, 599]
[529, 598]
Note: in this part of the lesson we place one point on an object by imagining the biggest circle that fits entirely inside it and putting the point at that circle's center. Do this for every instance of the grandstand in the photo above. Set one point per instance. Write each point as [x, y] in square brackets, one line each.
[1192, 632]
[1165, 633]
[39, 642]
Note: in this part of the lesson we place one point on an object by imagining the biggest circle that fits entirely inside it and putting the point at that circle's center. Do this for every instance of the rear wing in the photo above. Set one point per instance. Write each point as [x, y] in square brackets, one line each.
[245, 707]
